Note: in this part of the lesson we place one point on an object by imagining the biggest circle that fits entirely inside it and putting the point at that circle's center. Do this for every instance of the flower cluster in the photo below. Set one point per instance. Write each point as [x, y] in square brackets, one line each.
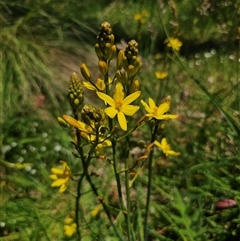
[61, 176]
[173, 43]
[70, 227]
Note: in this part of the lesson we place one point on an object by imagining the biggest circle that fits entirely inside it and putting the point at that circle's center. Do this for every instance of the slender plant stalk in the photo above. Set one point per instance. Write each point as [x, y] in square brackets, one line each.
[127, 189]
[149, 186]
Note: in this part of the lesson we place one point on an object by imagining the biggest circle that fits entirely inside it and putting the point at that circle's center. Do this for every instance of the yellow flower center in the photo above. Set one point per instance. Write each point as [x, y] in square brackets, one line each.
[155, 110]
[118, 105]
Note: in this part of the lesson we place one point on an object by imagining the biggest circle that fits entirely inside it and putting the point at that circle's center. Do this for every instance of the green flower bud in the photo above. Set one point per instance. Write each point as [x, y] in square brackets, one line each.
[75, 92]
[137, 66]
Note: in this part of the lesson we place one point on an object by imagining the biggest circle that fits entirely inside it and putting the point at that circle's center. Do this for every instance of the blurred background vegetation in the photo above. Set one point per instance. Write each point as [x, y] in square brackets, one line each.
[44, 41]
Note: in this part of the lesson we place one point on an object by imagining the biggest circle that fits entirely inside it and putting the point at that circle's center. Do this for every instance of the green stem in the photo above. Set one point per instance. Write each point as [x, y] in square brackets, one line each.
[127, 189]
[104, 207]
[149, 186]
[80, 151]
[117, 175]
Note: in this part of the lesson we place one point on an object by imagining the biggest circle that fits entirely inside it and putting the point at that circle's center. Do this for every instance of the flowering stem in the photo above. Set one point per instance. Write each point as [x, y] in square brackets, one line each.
[149, 186]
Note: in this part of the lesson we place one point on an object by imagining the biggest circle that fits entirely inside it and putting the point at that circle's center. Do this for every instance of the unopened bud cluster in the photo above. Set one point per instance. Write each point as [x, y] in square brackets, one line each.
[90, 114]
[75, 92]
[130, 63]
[105, 47]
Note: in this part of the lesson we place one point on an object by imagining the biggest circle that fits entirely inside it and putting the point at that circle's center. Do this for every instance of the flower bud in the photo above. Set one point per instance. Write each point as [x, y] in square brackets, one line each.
[130, 71]
[113, 53]
[100, 84]
[108, 50]
[103, 67]
[75, 92]
[137, 65]
[62, 122]
[120, 59]
[85, 72]
[125, 78]
[98, 51]
[135, 86]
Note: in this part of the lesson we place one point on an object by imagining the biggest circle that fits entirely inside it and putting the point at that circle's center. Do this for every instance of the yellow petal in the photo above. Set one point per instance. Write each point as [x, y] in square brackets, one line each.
[53, 177]
[63, 188]
[105, 143]
[163, 108]
[88, 85]
[68, 220]
[106, 98]
[57, 171]
[111, 112]
[152, 104]
[147, 108]
[172, 153]
[166, 117]
[59, 182]
[161, 74]
[129, 109]
[164, 143]
[122, 121]
[129, 99]
[158, 144]
[69, 230]
[71, 121]
[118, 94]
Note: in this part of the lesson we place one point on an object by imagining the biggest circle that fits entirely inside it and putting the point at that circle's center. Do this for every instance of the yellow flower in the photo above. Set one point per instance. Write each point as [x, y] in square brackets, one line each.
[141, 17]
[173, 43]
[60, 176]
[137, 16]
[158, 112]
[119, 105]
[165, 147]
[70, 227]
[96, 210]
[161, 74]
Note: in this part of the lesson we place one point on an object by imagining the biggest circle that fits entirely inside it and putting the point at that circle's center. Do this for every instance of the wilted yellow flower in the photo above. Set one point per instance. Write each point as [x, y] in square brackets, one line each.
[173, 43]
[70, 227]
[61, 176]
[88, 132]
[158, 112]
[165, 147]
[161, 74]
[119, 105]
[99, 83]
[15, 165]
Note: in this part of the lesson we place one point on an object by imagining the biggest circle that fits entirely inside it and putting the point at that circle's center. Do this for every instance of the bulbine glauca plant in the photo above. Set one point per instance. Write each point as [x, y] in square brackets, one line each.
[105, 134]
